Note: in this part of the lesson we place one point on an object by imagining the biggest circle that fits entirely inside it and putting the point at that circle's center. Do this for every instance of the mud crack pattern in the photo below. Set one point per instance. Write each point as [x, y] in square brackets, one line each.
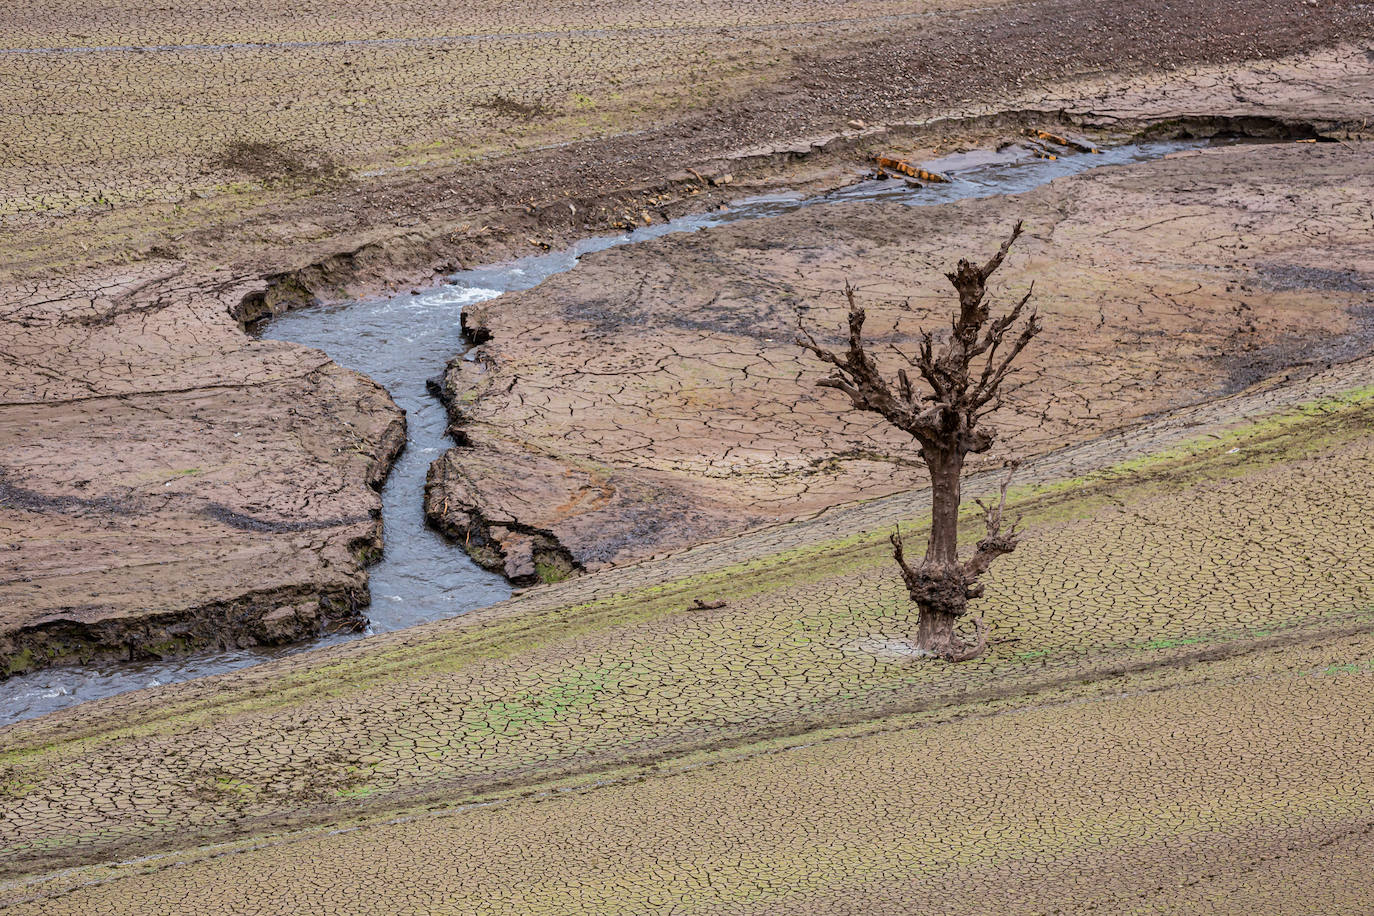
[669, 403]
[1217, 548]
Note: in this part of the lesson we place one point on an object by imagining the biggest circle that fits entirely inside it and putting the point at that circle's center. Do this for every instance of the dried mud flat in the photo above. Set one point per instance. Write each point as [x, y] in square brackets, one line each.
[655, 397]
[1178, 679]
[852, 827]
[168, 483]
[1172, 715]
[125, 124]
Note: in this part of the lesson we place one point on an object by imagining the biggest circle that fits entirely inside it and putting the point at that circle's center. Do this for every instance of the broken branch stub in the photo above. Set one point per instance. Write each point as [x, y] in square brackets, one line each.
[911, 171]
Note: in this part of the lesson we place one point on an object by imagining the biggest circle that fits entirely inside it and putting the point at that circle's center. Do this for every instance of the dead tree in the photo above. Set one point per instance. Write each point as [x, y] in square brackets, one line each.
[946, 417]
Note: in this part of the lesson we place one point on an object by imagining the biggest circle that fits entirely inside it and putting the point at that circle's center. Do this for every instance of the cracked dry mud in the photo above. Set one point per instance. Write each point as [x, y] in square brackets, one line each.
[655, 397]
[1180, 679]
[1134, 812]
[406, 94]
[1173, 714]
[168, 483]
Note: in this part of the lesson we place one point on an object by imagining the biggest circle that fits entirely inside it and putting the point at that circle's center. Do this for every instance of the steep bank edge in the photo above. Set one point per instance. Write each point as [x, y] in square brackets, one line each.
[253, 617]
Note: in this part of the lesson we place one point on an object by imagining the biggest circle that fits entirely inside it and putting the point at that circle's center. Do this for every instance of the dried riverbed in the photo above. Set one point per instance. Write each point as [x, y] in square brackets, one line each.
[402, 341]
[170, 484]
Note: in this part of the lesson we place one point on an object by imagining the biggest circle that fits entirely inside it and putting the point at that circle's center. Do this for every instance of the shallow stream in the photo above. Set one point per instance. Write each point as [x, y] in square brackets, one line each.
[403, 340]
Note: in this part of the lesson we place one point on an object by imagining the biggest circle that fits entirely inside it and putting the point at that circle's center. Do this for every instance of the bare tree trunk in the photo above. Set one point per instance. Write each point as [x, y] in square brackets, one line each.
[935, 632]
[943, 601]
[946, 470]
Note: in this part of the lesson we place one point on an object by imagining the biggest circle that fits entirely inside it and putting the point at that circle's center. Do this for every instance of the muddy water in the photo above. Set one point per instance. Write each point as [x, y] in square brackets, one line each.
[404, 340]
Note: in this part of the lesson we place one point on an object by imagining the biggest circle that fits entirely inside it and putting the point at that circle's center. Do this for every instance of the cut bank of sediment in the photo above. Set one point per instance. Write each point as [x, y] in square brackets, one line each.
[171, 483]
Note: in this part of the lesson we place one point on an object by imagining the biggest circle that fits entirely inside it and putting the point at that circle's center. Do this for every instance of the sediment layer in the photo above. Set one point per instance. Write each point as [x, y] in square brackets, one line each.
[168, 483]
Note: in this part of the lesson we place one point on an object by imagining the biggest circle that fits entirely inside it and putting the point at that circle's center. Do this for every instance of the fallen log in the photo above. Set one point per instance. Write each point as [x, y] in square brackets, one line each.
[1068, 142]
[909, 170]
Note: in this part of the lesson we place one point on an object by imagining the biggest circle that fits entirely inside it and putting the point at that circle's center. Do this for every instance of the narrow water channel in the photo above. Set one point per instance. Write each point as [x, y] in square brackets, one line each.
[403, 340]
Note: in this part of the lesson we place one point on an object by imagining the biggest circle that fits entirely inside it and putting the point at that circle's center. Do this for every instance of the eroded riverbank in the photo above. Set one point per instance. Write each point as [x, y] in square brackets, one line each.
[402, 341]
[171, 326]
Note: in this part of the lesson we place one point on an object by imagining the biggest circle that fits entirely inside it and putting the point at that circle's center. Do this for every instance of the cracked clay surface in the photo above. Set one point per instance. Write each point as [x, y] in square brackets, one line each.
[1187, 599]
[654, 397]
[166, 482]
